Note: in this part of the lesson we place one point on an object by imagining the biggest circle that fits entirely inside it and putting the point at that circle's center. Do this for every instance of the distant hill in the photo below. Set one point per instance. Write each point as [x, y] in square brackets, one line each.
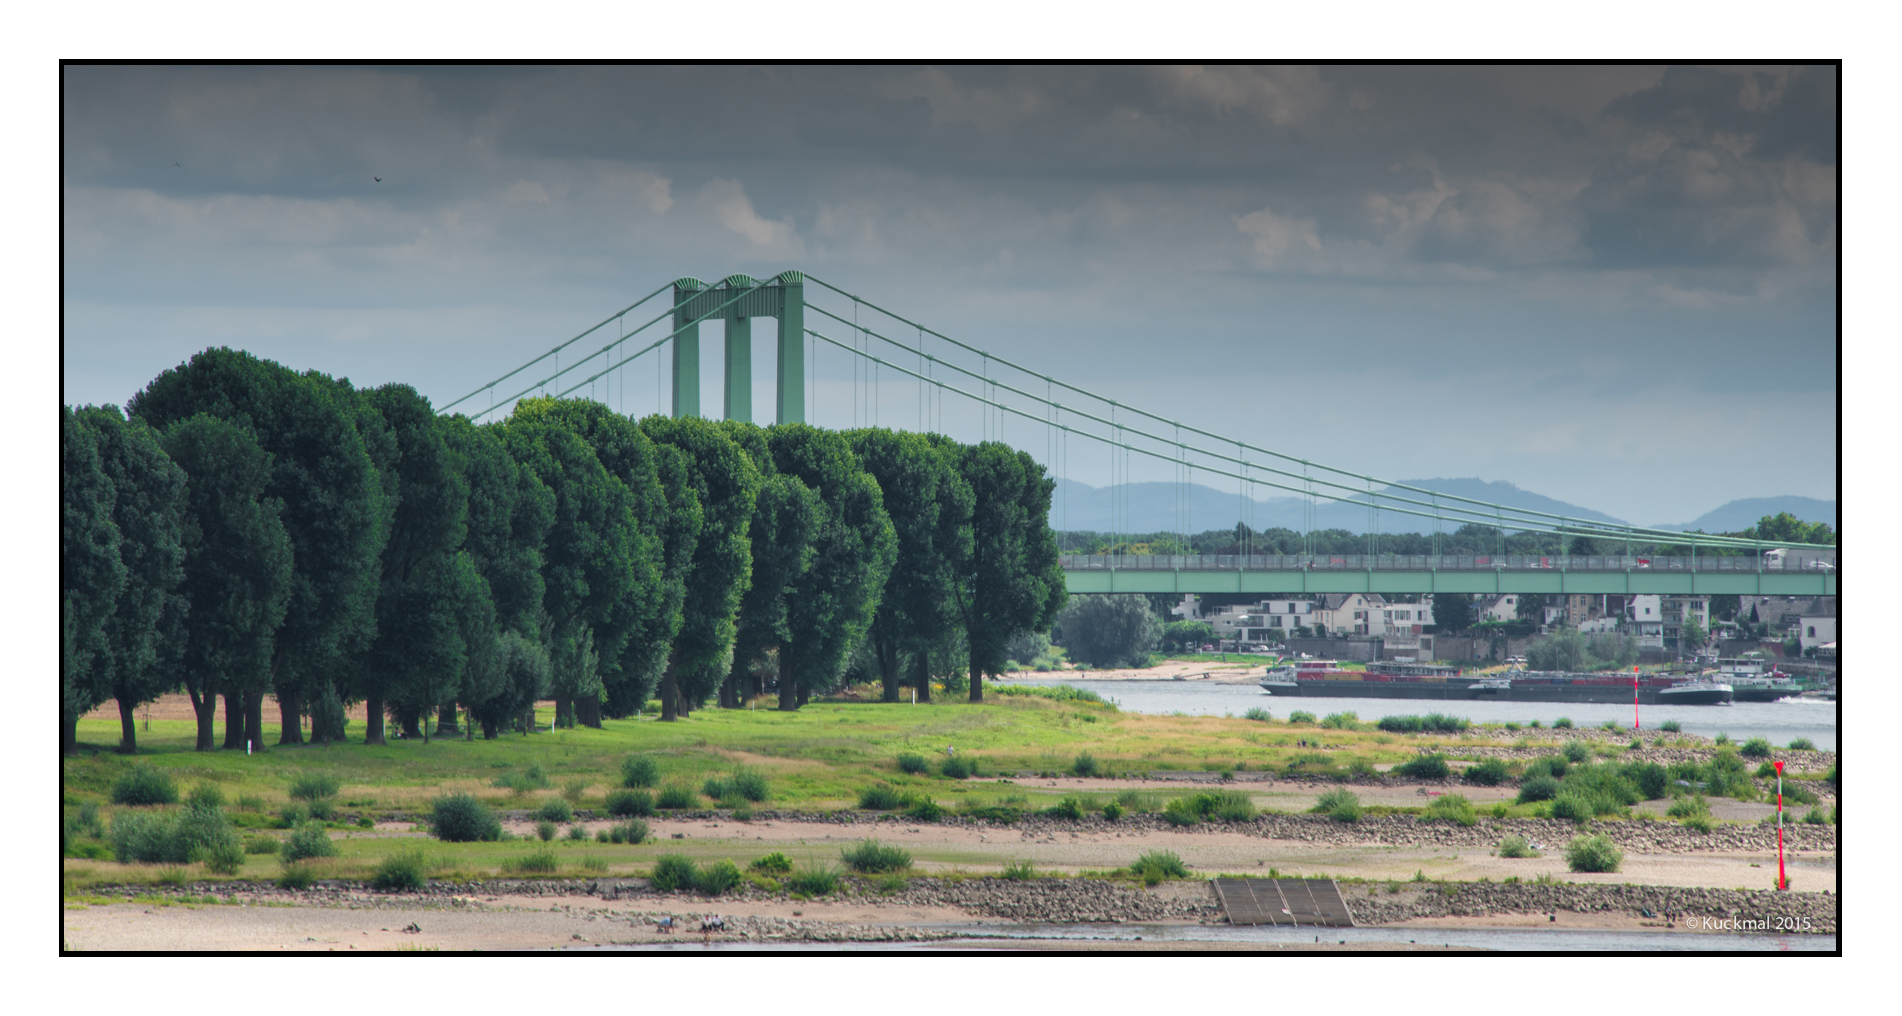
[1744, 513]
[1153, 507]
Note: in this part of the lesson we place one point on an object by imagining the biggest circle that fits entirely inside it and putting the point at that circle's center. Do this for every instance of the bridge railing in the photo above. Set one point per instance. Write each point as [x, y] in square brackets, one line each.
[1431, 562]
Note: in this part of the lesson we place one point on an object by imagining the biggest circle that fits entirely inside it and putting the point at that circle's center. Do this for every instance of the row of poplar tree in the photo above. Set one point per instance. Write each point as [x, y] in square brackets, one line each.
[243, 530]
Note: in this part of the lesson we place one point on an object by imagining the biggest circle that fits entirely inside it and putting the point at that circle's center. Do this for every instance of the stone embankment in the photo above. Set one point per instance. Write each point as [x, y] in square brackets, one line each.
[1691, 909]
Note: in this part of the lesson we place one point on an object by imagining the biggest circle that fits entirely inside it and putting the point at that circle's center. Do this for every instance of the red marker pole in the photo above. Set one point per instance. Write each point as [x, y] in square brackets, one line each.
[1634, 700]
[1782, 882]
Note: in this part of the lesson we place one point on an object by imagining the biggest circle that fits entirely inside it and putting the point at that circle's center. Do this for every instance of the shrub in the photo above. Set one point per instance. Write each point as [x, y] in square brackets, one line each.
[556, 810]
[1138, 801]
[224, 857]
[250, 802]
[1112, 811]
[1815, 817]
[1685, 807]
[323, 809]
[1592, 853]
[1258, 714]
[1453, 808]
[574, 791]
[312, 786]
[1341, 721]
[814, 882]
[1430, 723]
[1576, 807]
[603, 836]
[539, 862]
[545, 830]
[1181, 812]
[774, 863]
[1700, 823]
[206, 795]
[296, 876]
[1424, 767]
[1576, 752]
[1798, 795]
[672, 873]
[577, 833]
[534, 778]
[924, 809]
[639, 771]
[1159, 865]
[1603, 785]
[1766, 771]
[1671, 727]
[405, 871]
[1551, 765]
[1085, 765]
[714, 787]
[594, 865]
[262, 845]
[144, 785]
[1651, 779]
[1516, 846]
[292, 815]
[1226, 805]
[1489, 773]
[1756, 747]
[1722, 738]
[1562, 723]
[912, 763]
[880, 797]
[958, 768]
[1300, 716]
[1802, 744]
[631, 831]
[1066, 808]
[630, 803]
[460, 818]
[307, 840]
[749, 784]
[1018, 871]
[1339, 805]
[1538, 788]
[717, 877]
[676, 796]
[872, 857]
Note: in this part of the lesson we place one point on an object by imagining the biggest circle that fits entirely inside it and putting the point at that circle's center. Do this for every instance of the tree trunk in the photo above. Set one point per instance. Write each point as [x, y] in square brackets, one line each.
[446, 720]
[234, 720]
[788, 695]
[977, 678]
[887, 654]
[205, 709]
[412, 726]
[564, 712]
[588, 713]
[373, 721]
[488, 729]
[669, 695]
[128, 729]
[730, 689]
[921, 675]
[805, 695]
[290, 710]
[254, 718]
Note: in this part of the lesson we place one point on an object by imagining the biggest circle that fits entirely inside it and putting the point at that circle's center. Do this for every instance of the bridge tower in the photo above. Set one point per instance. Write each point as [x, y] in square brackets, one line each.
[782, 298]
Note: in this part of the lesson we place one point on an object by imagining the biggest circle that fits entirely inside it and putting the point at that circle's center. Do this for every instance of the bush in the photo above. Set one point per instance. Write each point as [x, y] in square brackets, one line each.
[313, 786]
[206, 795]
[1575, 807]
[144, 785]
[1430, 723]
[1112, 811]
[1138, 801]
[673, 873]
[574, 790]
[1489, 773]
[577, 833]
[1685, 807]
[958, 768]
[1258, 714]
[872, 857]
[676, 796]
[1159, 865]
[1756, 747]
[1651, 779]
[194, 834]
[405, 871]
[749, 784]
[323, 809]
[1722, 738]
[630, 803]
[1516, 846]
[639, 771]
[1538, 788]
[912, 763]
[1300, 716]
[774, 863]
[1453, 808]
[1339, 805]
[224, 857]
[1341, 721]
[1797, 795]
[1018, 871]
[1592, 853]
[296, 876]
[1815, 817]
[1802, 744]
[717, 877]
[307, 840]
[714, 787]
[1700, 823]
[1576, 752]
[540, 862]
[814, 882]
[1226, 805]
[545, 830]
[1671, 727]
[262, 845]
[631, 831]
[1085, 765]
[556, 810]
[1551, 765]
[924, 809]
[292, 815]
[1562, 723]
[1424, 767]
[1181, 812]
[460, 818]
[880, 797]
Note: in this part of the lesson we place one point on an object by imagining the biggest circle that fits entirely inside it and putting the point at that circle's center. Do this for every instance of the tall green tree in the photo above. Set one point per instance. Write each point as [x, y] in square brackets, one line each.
[785, 516]
[1109, 631]
[148, 510]
[335, 510]
[930, 505]
[92, 573]
[1013, 583]
[727, 485]
[831, 605]
[1784, 527]
[1453, 612]
[238, 572]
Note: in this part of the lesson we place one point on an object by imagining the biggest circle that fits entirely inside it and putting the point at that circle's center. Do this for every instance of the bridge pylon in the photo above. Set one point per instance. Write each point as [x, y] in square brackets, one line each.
[782, 298]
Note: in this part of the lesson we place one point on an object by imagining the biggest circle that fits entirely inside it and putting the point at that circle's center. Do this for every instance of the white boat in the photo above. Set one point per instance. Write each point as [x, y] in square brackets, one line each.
[1750, 682]
[1701, 692]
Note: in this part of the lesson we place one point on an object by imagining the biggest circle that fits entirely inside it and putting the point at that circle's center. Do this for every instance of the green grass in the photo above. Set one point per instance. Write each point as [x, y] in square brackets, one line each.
[1159, 865]
[404, 871]
[871, 857]
[1340, 805]
[1018, 871]
[1516, 846]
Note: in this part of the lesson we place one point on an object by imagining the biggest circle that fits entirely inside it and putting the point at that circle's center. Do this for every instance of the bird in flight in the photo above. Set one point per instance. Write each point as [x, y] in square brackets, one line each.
[378, 179]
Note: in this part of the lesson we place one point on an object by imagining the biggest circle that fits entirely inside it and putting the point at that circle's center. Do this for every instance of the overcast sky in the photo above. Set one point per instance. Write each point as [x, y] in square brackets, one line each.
[1615, 286]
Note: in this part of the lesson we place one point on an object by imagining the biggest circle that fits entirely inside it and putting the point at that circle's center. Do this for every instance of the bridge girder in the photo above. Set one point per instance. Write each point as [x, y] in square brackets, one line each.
[1593, 583]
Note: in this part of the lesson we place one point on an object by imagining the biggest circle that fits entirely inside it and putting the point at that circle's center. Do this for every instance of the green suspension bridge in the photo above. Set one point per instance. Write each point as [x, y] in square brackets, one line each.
[937, 383]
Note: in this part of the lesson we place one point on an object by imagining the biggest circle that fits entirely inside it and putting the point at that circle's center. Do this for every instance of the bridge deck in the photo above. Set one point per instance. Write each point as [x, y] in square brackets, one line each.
[1400, 573]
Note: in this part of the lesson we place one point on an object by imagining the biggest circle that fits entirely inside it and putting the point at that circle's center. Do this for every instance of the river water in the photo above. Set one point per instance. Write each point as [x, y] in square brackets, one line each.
[1778, 722]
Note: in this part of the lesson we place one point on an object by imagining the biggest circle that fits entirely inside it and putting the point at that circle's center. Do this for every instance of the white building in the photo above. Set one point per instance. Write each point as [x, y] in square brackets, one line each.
[1370, 614]
[1819, 628]
[1644, 619]
[1265, 621]
[1504, 607]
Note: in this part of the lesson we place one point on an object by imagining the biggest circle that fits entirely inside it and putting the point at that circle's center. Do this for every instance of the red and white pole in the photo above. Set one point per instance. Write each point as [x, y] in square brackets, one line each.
[1782, 882]
[1634, 700]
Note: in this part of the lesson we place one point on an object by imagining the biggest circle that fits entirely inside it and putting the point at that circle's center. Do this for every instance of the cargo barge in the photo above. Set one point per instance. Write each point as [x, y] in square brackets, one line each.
[1325, 679]
[1750, 683]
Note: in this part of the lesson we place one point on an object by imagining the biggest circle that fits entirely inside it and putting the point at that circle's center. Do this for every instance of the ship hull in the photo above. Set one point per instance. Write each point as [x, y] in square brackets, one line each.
[1464, 691]
[1762, 694]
